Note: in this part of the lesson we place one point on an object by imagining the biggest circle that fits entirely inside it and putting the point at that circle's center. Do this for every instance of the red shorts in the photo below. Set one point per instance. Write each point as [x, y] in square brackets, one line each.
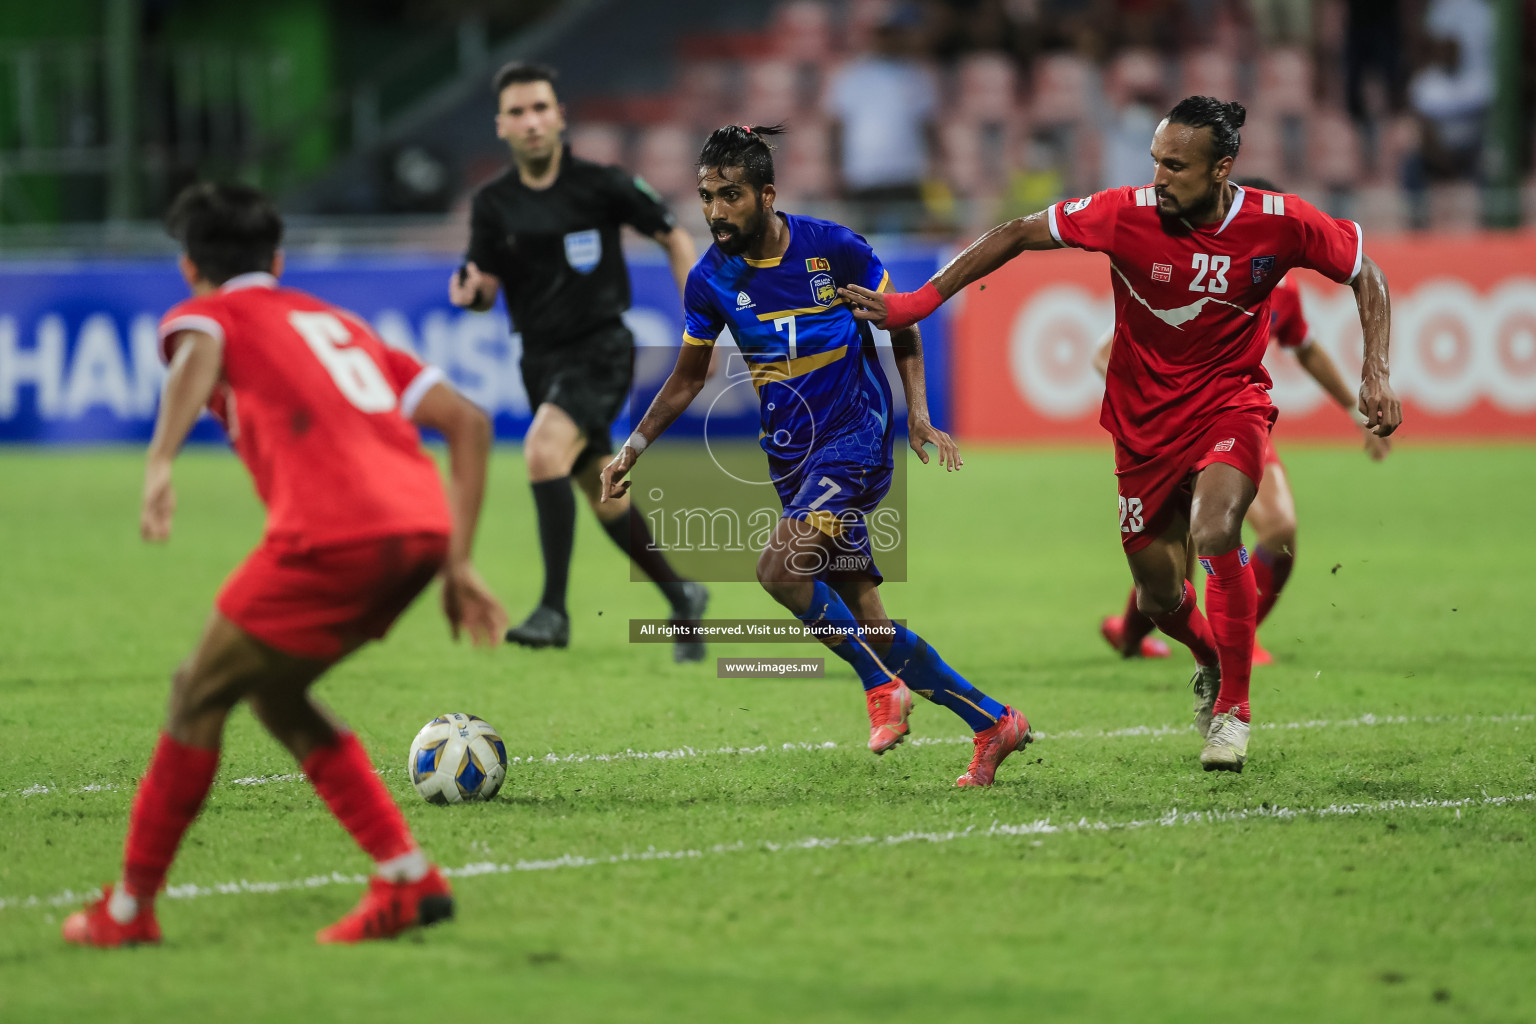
[1271, 457]
[1153, 489]
[319, 603]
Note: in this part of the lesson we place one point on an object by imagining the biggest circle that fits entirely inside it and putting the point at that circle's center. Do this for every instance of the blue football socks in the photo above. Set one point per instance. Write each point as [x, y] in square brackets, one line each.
[921, 668]
[827, 609]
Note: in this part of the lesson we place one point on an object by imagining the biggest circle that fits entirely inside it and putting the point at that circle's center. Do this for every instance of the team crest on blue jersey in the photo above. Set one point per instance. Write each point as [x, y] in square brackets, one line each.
[583, 250]
[1262, 267]
[823, 290]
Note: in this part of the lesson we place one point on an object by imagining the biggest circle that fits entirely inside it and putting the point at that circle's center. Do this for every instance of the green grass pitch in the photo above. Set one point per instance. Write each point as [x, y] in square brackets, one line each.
[1376, 861]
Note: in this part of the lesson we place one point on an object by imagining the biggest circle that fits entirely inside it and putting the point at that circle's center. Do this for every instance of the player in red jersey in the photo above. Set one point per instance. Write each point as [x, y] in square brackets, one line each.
[324, 416]
[1193, 259]
[1272, 516]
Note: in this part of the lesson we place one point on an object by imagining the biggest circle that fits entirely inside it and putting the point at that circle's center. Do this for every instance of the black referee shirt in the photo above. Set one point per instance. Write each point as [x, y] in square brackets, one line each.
[556, 250]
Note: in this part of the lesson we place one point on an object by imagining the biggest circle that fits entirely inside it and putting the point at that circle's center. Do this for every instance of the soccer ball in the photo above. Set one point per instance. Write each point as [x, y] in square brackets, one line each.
[457, 758]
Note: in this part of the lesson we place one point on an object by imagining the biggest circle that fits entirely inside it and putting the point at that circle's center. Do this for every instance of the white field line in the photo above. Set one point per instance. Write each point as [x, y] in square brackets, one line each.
[1156, 732]
[1039, 827]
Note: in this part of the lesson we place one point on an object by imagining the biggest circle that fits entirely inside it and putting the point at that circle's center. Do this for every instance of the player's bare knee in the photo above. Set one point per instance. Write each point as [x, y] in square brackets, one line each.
[1217, 534]
[546, 461]
[1156, 600]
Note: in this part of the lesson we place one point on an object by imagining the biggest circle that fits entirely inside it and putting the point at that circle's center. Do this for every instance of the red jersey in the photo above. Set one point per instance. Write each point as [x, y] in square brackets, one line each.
[1287, 323]
[1192, 314]
[318, 408]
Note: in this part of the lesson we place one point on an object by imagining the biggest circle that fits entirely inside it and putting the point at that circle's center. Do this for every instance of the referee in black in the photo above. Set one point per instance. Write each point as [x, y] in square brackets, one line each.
[546, 233]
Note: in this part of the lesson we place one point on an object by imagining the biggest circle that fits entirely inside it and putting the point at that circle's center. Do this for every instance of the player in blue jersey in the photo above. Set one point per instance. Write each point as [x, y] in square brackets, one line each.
[772, 278]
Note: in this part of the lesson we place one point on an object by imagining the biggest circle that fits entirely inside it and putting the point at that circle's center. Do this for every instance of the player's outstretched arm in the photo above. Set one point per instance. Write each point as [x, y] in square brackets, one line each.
[467, 601]
[895, 310]
[682, 386]
[1378, 402]
[1321, 368]
[471, 288]
[907, 347]
[196, 364]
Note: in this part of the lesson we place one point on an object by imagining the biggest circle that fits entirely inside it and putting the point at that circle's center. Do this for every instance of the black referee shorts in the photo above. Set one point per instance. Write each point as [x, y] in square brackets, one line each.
[588, 378]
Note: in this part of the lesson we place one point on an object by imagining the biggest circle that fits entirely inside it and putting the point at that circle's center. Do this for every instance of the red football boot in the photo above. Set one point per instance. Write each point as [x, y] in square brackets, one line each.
[1112, 629]
[993, 745]
[93, 926]
[888, 704]
[389, 908]
[1260, 655]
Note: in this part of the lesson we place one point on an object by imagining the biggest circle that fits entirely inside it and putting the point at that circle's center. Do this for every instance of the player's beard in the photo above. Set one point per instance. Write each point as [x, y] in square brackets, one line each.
[1191, 213]
[739, 239]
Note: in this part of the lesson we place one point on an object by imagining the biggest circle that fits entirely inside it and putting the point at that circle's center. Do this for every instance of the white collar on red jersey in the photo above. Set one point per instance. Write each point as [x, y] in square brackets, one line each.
[255, 279]
[1237, 204]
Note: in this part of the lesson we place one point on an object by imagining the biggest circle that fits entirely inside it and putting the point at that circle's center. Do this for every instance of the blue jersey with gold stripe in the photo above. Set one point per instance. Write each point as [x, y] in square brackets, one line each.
[815, 368]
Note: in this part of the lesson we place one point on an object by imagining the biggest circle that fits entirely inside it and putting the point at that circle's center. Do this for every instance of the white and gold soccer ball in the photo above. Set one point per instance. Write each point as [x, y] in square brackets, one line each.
[457, 758]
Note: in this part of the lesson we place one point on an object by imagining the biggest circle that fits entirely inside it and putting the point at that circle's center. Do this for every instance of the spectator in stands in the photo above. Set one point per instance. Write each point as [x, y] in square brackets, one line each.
[1125, 160]
[1452, 90]
[884, 136]
[1373, 46]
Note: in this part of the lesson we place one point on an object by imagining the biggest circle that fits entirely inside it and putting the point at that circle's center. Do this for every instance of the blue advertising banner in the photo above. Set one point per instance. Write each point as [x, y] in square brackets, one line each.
[79, 362]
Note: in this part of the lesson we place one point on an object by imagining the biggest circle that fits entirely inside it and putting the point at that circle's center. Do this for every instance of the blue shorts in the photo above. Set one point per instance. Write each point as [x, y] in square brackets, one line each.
[836, 486]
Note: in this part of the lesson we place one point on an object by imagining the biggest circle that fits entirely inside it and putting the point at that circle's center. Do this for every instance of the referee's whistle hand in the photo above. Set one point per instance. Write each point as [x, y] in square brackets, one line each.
[464, 286]
[865, 304]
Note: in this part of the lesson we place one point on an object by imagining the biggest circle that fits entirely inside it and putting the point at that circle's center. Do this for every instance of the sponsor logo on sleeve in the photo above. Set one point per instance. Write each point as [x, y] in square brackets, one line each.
[1076, 205]
[1262, 267]
[1224, 446]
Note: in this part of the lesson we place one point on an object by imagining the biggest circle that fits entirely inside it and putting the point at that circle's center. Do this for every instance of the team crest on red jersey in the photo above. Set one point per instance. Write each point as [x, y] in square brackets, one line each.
[1262, 267]
[1162, 272]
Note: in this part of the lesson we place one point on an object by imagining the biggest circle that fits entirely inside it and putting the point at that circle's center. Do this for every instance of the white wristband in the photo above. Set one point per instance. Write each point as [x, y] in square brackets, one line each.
[636, 441]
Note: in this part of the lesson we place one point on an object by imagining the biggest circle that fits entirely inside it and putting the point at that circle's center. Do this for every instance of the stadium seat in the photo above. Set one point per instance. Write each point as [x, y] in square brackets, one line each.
[986, 86]
[1208, 73]
[1263, 151]
[802, 30]
[1064, 86]
[1455, 208]
[1333, 150]
[1397, 139]
[859, 21]
[1285, 82]
[977, 153]
[1136, 73]
[805, 167]
[1381, 210]
[772, 91]
[664, 157]
[708, 93]
[603, 143]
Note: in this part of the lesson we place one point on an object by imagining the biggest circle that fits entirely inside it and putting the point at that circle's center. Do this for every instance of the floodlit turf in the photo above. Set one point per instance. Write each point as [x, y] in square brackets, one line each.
[1377, 860]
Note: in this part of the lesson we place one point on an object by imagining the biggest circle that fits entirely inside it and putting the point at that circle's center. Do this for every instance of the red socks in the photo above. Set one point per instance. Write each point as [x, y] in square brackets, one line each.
[1136, 626]
[1232, 600]
[1186, 625]
[169, 797]
[1270, 571]
[343, 776]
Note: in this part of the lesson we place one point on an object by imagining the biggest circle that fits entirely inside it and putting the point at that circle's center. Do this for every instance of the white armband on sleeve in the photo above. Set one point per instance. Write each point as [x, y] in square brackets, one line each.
[417, 389]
